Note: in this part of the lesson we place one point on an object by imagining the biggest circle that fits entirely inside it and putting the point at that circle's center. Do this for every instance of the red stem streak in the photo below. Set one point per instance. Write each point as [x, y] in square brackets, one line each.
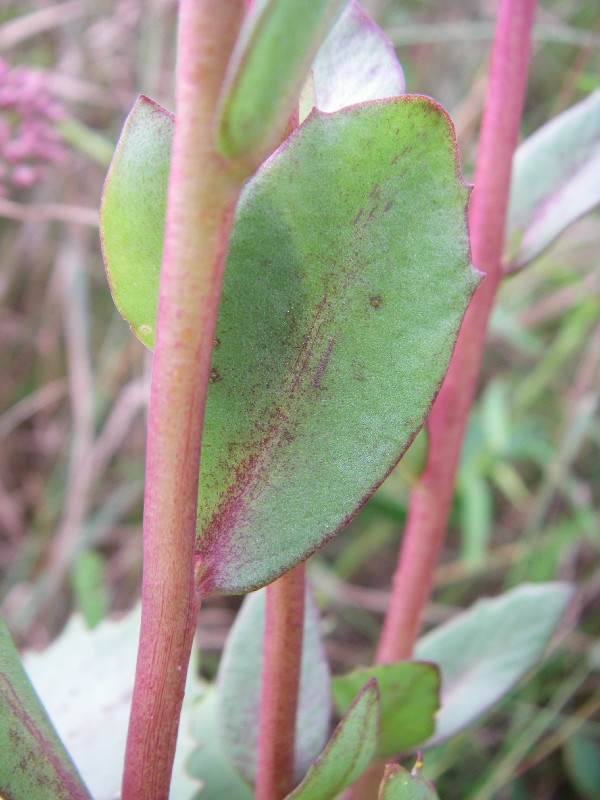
[430, 500]
[282, 660]
[201, 200]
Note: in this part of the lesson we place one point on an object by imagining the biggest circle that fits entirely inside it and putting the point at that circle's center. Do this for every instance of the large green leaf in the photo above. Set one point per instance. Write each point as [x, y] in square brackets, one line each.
[484, 651]
[409, 696]
[347, 278]
[239, 683]
[274, 51]
[348, 752]
[399, 784]
[34, 764]
[356, 62]
[555, 179]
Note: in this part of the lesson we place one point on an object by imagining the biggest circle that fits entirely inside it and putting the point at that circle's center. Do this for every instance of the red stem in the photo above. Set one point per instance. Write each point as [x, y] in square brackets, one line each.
[282, 660]
[201, 200]
[430, 500]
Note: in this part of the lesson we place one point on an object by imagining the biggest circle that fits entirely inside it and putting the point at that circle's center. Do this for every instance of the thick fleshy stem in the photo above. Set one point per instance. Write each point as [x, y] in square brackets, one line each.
[282, 658]
[430, 500]
[202, 195]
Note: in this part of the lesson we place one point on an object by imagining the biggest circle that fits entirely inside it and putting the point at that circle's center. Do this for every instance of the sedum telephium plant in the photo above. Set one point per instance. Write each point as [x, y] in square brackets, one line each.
[294, 247]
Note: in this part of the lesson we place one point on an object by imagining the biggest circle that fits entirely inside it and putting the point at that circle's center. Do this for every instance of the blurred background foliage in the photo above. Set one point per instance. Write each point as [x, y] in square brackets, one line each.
[74, 385]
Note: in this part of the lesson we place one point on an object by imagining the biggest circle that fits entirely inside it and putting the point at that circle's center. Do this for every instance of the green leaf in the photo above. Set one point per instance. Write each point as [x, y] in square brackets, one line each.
[209, 762]
[484, 651]
[356, 62]
[349, 750]
[347, 278]
[239, 689]
[399, 784]
[34, 764]
[132, 214]
[409, 697]
[274, 51]
[554, 179]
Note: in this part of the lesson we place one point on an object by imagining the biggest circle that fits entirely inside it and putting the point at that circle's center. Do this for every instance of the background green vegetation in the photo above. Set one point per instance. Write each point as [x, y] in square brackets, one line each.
[74, 388]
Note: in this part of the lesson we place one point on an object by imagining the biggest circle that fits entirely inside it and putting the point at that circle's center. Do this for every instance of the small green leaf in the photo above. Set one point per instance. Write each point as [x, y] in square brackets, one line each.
[209, 762]
[34, 764]
[555, 179]
[349, 751]
[346, 281]
[356, 62]
[484, 651]
[399, 784]
[239, 682]
[132, 214]
[274, 51]
[409, 697]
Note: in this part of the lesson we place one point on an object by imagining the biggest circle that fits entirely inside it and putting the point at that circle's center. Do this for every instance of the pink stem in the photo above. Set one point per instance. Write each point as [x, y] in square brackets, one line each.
[282, 659]
[430, 500]
[202, 195]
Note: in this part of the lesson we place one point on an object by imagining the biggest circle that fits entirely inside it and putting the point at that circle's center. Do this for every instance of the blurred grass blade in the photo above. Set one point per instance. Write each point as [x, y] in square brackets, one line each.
[582, 761]
[409, 696]
[34, 764]
[276, 46]
[555, 180]
[399, 784]
[484, 651]
[239, 684]
[349, 751]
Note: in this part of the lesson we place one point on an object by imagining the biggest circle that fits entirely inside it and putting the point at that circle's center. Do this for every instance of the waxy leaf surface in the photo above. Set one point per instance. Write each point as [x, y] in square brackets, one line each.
[555, 179]
[239, 684]
[484, 651]
[409, 696]
[349, 751]
[34, 764]
[347, 277]
[399, 784]
[356, 62]
[274, 51]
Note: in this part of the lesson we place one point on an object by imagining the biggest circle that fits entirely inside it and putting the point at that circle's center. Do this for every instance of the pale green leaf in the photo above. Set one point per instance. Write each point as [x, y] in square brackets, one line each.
[209, 762]
[555, 179]
[356, 62]
[239, 683]
[484, 651]
[85, 678]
